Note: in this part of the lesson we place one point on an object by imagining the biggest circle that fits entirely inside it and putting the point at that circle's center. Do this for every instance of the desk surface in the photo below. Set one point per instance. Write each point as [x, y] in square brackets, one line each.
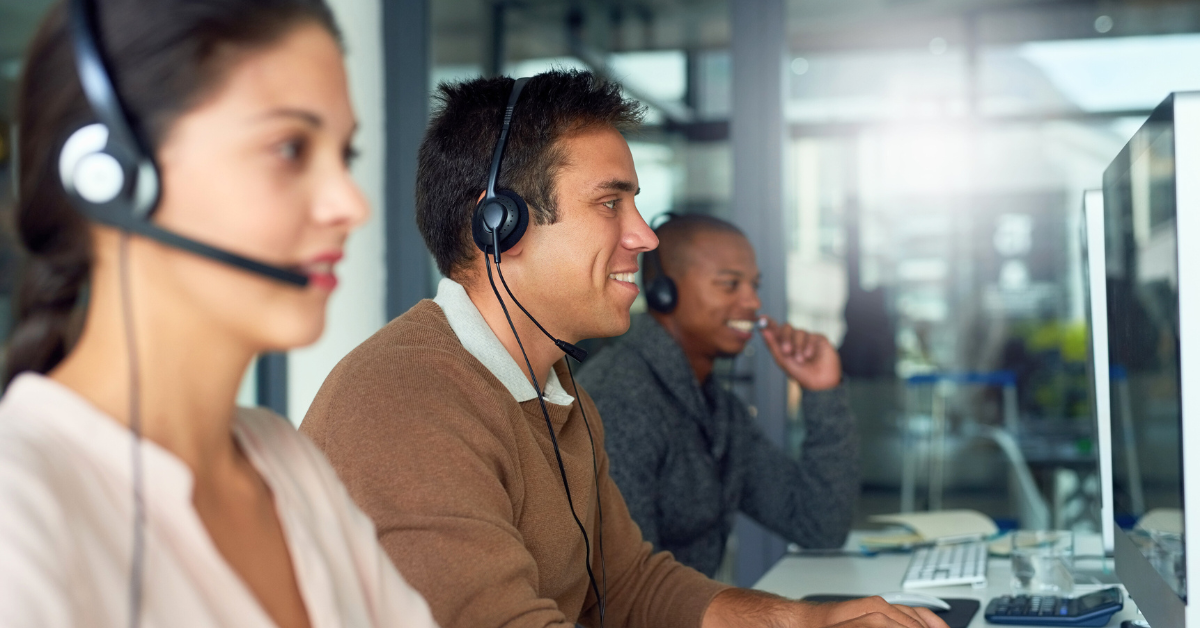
[796, 576]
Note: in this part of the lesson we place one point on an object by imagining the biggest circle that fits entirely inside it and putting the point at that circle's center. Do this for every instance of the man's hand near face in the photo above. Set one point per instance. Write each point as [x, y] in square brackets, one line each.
[741, 608]
[808, 358]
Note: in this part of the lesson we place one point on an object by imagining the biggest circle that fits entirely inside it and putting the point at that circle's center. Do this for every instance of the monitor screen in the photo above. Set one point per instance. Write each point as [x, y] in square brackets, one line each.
[1144, 352]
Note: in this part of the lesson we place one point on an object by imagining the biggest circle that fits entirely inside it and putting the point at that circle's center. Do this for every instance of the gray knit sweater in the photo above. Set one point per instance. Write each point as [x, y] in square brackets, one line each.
[687, 457]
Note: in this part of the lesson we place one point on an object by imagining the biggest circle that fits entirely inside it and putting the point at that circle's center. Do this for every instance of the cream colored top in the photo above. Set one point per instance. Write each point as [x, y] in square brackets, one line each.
[66, 526]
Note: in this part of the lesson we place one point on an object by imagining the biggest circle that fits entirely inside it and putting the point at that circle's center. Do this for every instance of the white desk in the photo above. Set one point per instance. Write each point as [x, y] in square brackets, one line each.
[798, 576]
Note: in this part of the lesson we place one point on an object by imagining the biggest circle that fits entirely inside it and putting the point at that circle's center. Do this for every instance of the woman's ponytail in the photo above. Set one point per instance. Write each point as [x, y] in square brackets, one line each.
[46, 313]
[53, 235]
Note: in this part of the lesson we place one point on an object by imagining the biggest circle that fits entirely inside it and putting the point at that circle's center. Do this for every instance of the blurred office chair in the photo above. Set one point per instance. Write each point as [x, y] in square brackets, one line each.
[926, 436]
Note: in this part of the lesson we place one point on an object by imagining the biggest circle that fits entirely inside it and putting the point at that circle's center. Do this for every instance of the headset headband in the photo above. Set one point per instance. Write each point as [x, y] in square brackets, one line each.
[652, 257]
[94, 75]
[494, 173]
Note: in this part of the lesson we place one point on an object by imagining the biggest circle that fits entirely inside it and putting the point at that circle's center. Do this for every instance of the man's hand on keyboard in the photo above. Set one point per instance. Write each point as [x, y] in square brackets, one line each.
[742, 608]
[873, 612]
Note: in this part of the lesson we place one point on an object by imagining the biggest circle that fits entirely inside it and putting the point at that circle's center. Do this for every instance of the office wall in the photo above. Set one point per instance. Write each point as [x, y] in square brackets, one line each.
[357, 308]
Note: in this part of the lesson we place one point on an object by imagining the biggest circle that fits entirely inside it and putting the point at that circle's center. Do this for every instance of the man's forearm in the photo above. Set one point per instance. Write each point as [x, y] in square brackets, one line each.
[742, 608]
[736, 608]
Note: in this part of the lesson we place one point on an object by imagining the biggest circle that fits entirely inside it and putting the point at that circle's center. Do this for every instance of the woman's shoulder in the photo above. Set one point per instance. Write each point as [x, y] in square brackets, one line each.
[271, 438]
[290, 462]
[308, 488]
[46, 490]
[34, 458]
[45, 432]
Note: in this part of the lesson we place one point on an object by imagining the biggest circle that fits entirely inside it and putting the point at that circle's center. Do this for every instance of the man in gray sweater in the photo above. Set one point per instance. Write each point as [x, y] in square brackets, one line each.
[685, 451]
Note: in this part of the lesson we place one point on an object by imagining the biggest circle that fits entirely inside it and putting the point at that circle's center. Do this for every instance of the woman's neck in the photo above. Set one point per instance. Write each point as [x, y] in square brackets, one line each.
[189, 371]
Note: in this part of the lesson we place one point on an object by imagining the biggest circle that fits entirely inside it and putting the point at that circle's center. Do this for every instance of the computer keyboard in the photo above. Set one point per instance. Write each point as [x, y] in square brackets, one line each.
[946, 565]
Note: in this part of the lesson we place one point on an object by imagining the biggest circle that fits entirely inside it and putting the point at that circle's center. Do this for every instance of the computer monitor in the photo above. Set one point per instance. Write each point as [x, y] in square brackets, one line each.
[1096, 307]
[1152, 263]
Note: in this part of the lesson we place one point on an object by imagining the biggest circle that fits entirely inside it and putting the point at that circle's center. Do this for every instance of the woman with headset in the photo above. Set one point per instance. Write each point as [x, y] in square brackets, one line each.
[184, 196]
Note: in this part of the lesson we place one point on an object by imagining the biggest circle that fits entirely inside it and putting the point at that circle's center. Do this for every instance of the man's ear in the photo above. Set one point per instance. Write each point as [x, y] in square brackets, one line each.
[519, 247]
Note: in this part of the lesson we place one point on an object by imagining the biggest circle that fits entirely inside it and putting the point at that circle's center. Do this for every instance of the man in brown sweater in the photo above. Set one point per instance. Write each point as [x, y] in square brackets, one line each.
[435, 425]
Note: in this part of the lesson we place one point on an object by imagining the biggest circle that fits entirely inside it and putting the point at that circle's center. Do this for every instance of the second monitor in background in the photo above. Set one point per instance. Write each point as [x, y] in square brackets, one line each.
[1152, 277]
[1096, 308]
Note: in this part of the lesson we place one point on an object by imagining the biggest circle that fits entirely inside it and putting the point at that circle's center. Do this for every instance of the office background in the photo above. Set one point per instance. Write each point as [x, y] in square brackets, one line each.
[910, 171]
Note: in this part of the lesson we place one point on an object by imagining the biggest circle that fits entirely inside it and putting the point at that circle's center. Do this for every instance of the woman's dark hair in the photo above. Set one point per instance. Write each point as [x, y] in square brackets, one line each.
[455, 156]
[165, 57]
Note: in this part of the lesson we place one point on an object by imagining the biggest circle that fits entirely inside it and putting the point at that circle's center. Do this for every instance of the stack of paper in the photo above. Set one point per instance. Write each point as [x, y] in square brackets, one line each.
[944, 526]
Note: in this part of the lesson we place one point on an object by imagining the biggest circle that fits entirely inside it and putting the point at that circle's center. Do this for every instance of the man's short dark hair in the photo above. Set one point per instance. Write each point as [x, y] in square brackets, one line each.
[456, 153]
[675, 238]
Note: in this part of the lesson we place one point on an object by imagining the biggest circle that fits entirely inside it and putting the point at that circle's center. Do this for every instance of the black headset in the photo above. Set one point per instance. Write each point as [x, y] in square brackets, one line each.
[500, 220]
[661, 293]
[108, 170]
[502, 216]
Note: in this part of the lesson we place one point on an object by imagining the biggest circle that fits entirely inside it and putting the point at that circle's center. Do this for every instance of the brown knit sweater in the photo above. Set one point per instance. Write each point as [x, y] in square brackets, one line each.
[466, 495]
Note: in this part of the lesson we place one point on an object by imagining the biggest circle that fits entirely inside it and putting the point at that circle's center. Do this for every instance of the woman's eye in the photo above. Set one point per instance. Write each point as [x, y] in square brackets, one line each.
[350, 155]
[292, 150]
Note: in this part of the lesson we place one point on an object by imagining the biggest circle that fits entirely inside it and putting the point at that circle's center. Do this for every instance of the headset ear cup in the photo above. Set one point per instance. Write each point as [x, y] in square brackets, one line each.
[87, 170]
[513, 222]
[497, 211]
[479, 233]
[662, 295]
[98, 178]
[512, 233]
[102, 177]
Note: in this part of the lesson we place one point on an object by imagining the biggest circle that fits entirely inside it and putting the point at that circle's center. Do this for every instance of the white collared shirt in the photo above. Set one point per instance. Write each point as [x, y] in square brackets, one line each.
[66, 526]
[481, 342]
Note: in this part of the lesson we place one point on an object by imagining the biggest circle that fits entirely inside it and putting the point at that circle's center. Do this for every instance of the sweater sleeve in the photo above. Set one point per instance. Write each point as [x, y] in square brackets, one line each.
[808, 501]
[646, 589]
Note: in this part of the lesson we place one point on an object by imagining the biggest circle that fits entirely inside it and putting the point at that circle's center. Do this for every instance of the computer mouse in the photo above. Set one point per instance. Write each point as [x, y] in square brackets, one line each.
[908, 598]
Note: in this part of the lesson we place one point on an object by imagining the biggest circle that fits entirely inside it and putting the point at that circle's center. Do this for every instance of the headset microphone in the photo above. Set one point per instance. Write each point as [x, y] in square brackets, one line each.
[108, 171]
[500, 219]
